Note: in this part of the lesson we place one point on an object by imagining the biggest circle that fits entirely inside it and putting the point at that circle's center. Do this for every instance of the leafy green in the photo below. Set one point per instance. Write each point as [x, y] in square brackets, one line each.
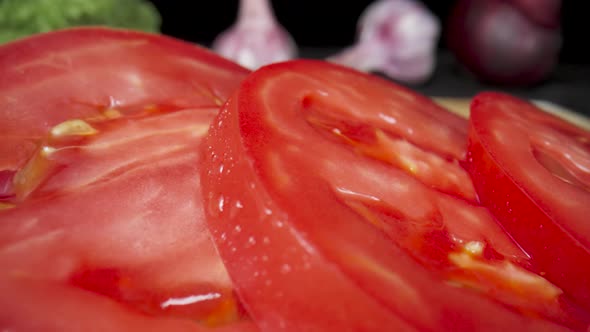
[20, 18]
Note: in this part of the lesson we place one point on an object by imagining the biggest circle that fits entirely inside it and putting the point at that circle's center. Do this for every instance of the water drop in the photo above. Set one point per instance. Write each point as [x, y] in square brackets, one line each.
[285, 268]
[221, 169]
[239, 205]
[46, 151]
[251, 240]
[238, 228]
[223, 237]
[264, 258]
[279, 224]
[265, 240]
[267, 211]
[234, 249]
[221, 203]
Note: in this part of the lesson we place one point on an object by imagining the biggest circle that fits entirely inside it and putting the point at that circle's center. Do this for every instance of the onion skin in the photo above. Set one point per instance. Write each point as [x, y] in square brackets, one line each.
[542, 12]
[499, 43]
[256, 38]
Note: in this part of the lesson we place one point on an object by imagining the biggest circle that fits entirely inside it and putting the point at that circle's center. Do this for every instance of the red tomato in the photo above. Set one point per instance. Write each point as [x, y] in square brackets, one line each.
[98, 68]
[101, 223]
[337, 202]
[533, 171]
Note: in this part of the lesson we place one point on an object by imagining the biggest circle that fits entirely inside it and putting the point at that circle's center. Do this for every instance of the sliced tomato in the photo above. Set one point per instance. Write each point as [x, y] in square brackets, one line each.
[101, 213]
[81, 73]
[533, 171]
[338, 202]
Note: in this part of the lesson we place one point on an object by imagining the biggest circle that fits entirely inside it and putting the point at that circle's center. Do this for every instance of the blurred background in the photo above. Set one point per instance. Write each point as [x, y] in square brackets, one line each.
[332, 23]
[539, 53]
[322, 27]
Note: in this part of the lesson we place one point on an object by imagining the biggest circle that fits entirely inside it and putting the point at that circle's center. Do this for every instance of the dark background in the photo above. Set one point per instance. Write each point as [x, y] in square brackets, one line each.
[321, 27]
[332, 23]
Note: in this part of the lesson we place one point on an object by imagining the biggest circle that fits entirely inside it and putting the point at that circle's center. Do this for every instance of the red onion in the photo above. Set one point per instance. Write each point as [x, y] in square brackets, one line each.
[256, 38]
[542, 12]
[509, 42]
[397, 38]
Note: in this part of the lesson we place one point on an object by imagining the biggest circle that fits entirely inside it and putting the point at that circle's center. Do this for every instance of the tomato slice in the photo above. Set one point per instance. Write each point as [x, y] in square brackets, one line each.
[81, 73]
[533, 171]
[101, 213]
[337, 201]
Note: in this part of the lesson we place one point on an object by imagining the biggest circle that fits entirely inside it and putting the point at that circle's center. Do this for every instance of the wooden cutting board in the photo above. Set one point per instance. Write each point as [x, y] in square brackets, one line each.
[461, 107]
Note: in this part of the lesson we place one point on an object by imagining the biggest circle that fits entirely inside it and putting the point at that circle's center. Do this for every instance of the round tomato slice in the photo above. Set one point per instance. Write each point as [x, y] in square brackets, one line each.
[532, 170]
[101, 213]
[81, 73]
[337, 199]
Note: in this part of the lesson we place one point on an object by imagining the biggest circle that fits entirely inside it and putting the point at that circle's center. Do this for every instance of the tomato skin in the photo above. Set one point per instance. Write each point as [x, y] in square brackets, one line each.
[278, 218]
[553, 227]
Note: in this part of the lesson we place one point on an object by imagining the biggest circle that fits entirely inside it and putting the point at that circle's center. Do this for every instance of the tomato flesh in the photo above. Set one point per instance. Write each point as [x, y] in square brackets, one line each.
[100, 212]
[296, 192]
[83, 73]
[144, 253]
[537, 185]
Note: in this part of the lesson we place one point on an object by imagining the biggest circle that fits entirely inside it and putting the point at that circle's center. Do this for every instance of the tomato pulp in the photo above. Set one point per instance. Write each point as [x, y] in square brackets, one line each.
[533, 171]
[338, 201]
[101, 214]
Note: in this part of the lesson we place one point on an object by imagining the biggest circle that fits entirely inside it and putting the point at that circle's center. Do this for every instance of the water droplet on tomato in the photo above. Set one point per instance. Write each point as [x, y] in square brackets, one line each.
[264, 258]
[47, 151]
[267, 211]
[220, 168]
[265, 240]
[223, 237]
[285, 268]
[279, 224]
[221, 203]
[251, 240]
[238, 228]
[239, 204]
